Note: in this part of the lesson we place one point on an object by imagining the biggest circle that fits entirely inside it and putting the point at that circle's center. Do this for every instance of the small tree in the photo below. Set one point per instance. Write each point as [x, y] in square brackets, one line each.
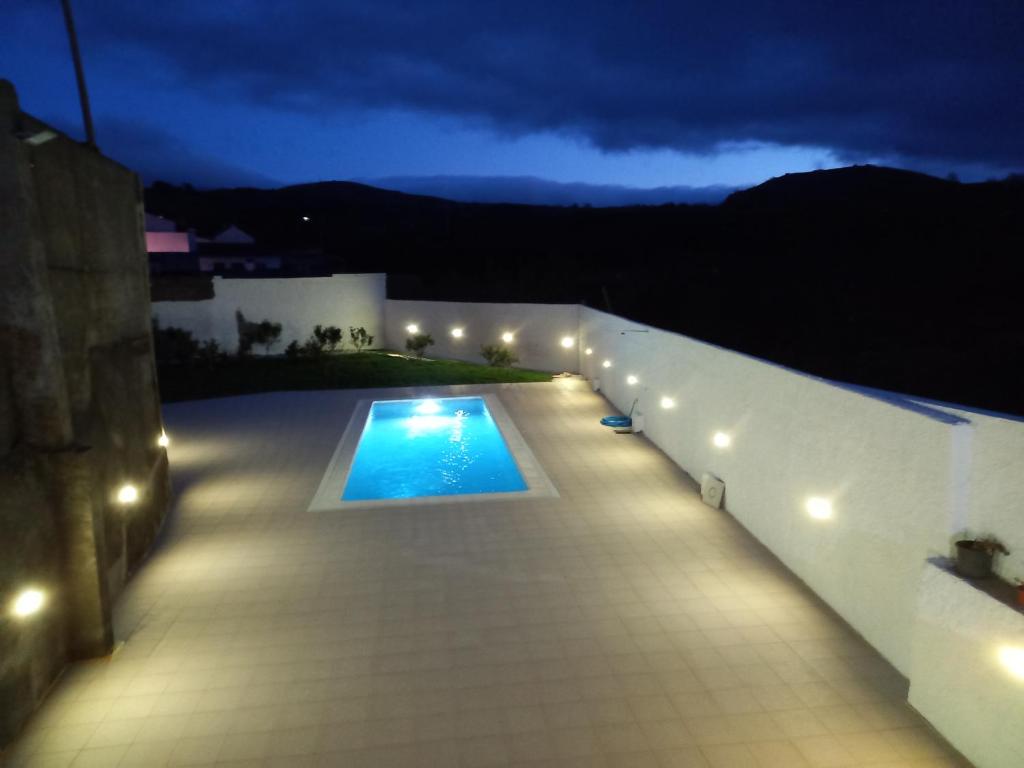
[327, 338]
[418, 343]
[209, 352]
[498, 355]
[360, 338]
[173, 345]
[266, 334]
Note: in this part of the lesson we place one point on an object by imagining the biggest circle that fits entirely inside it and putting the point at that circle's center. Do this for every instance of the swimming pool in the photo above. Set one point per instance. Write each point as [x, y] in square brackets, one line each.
[431, 447]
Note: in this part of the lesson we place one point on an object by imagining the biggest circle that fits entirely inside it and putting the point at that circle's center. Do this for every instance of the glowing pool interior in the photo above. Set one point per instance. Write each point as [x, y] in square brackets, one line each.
[431, 447]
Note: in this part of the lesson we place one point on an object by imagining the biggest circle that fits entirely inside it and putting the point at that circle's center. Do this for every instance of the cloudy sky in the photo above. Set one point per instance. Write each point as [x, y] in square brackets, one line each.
[474, 95]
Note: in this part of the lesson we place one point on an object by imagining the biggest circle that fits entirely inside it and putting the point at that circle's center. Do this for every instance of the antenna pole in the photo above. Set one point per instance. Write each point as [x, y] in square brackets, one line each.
[83, 94]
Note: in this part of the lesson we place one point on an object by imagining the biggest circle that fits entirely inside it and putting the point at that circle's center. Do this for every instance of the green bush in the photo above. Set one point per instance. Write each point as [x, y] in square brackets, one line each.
[417, 344]
[325, 338]
[498, 355]
[360, 338]
[173, 345]
[209, 352]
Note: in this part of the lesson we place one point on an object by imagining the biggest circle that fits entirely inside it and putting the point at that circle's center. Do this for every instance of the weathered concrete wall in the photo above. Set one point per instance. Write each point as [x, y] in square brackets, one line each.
[79, 409]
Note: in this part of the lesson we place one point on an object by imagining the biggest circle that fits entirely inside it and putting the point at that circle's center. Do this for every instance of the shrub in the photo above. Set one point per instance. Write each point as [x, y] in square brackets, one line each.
[293, 349]
[209, 352]
[173, 345]
[266, 334]
[418, 343]
[325, 338]
[498, 355]
[360, 338]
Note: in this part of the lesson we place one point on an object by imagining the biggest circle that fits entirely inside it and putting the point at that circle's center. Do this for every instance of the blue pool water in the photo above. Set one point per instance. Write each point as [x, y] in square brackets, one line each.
[431, 448]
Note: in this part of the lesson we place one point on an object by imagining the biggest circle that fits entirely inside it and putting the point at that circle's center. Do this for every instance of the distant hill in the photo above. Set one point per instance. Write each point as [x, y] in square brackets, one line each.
[870, 275]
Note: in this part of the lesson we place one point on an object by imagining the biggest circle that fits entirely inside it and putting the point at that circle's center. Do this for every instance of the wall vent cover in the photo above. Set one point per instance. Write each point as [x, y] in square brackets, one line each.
[712, 490]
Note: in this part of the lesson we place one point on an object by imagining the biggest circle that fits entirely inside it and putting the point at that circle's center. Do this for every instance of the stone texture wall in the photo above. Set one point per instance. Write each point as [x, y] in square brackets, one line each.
[79, 408]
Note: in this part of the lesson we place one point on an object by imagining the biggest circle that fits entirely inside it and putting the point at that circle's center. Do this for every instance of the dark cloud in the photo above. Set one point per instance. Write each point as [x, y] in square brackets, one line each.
[158, 156]
[933, 81]
[534, 191]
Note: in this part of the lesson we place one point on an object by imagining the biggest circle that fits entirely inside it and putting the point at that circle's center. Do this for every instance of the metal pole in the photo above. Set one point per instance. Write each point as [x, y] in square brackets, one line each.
[83, 94]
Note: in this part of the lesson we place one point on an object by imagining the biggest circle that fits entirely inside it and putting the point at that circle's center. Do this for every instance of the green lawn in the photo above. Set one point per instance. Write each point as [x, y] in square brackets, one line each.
[246, 375]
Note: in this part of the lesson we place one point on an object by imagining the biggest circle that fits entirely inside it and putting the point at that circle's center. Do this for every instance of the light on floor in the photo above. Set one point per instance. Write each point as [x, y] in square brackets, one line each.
[457, 333]
[412, 329]
[721, 440]
[606, 364]
[1012, 658]
[508, 337]
[163, 441]
[128, 494]
[668, 402]
[568, 341]
[819, 508]
[28, 602]
[631, 379]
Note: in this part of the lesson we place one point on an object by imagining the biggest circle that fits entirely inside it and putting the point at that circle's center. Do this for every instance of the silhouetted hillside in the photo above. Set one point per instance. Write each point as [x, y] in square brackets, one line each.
[869, 275]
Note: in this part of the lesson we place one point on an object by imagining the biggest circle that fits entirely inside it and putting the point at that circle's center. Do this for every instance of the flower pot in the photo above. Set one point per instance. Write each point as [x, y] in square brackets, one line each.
[1020, 595]
[973, 561]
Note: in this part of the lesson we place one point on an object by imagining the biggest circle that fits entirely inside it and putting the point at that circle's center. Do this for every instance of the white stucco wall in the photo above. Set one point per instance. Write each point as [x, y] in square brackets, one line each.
[957, 679]
[887, 470]
[298, 303]
[538, 329]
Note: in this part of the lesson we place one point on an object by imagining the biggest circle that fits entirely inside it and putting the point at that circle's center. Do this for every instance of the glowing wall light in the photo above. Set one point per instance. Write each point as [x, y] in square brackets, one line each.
[127, 494]
[588, 351]
[668, 402]
[568, 341]
[412, 329]
[819, 508]
[721, 440]
[631, 380]
[458, 333]
[163, 441]
[1012, 658]
[606, 364]
[508, 337]
[28, 602]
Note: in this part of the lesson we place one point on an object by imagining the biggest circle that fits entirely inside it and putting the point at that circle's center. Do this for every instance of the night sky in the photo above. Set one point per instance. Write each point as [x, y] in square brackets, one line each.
[642, 94]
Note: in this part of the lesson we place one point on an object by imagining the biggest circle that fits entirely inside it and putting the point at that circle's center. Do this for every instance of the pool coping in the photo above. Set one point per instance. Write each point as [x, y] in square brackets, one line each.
[328, 493]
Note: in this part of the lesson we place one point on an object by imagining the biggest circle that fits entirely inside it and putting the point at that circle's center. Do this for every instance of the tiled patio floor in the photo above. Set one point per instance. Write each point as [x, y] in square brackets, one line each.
[622, 624]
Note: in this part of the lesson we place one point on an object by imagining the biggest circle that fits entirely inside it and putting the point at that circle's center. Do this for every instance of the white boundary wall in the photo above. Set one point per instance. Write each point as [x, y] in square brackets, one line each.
[298, 303]
[538, 329]
[905, 477]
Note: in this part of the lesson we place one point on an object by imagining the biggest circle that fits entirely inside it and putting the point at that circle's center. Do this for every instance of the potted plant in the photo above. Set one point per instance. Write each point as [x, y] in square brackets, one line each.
[974, 556]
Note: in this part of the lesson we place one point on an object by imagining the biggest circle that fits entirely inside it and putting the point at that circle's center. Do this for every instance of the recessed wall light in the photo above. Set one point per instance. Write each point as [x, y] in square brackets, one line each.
[668, 402]
[28, 602]
[457, 333]
[606, 364]
[588, 351]
[128, 494]
[568, 341]
[163, 441]
[819, 508]
[412, 328]
[508, 337]
[631, 379]
[721, 440]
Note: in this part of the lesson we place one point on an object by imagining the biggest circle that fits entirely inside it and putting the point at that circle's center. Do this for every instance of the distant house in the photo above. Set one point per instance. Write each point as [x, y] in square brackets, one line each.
[169, 250]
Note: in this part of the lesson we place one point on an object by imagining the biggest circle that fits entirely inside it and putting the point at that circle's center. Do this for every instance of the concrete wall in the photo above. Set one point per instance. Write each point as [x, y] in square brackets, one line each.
[959, 680]
[538, 329]
[79, 410]
[298, 303]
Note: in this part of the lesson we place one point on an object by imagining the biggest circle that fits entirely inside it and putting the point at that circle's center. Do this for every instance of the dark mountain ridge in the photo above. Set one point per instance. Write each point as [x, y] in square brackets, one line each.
[870, 275]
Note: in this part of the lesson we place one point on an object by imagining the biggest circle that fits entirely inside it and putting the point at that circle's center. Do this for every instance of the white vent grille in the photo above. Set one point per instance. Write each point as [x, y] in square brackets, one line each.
[712, 490]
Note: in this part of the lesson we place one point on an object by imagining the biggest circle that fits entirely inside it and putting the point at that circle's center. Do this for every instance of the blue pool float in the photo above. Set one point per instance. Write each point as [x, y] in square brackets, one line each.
[620, 422]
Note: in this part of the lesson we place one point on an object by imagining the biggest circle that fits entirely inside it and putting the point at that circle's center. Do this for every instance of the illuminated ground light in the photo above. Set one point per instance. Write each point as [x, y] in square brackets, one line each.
[508, 337]
[631, 379]
[668, 402]
[30, 601]
[305, 218]
[606, 364]
[163, 441]
[588, 351]
[458, 333]
[412, 328]
[568, 341]
[721, 440]
[819, 508]
[128, 494]
[1013, 659]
